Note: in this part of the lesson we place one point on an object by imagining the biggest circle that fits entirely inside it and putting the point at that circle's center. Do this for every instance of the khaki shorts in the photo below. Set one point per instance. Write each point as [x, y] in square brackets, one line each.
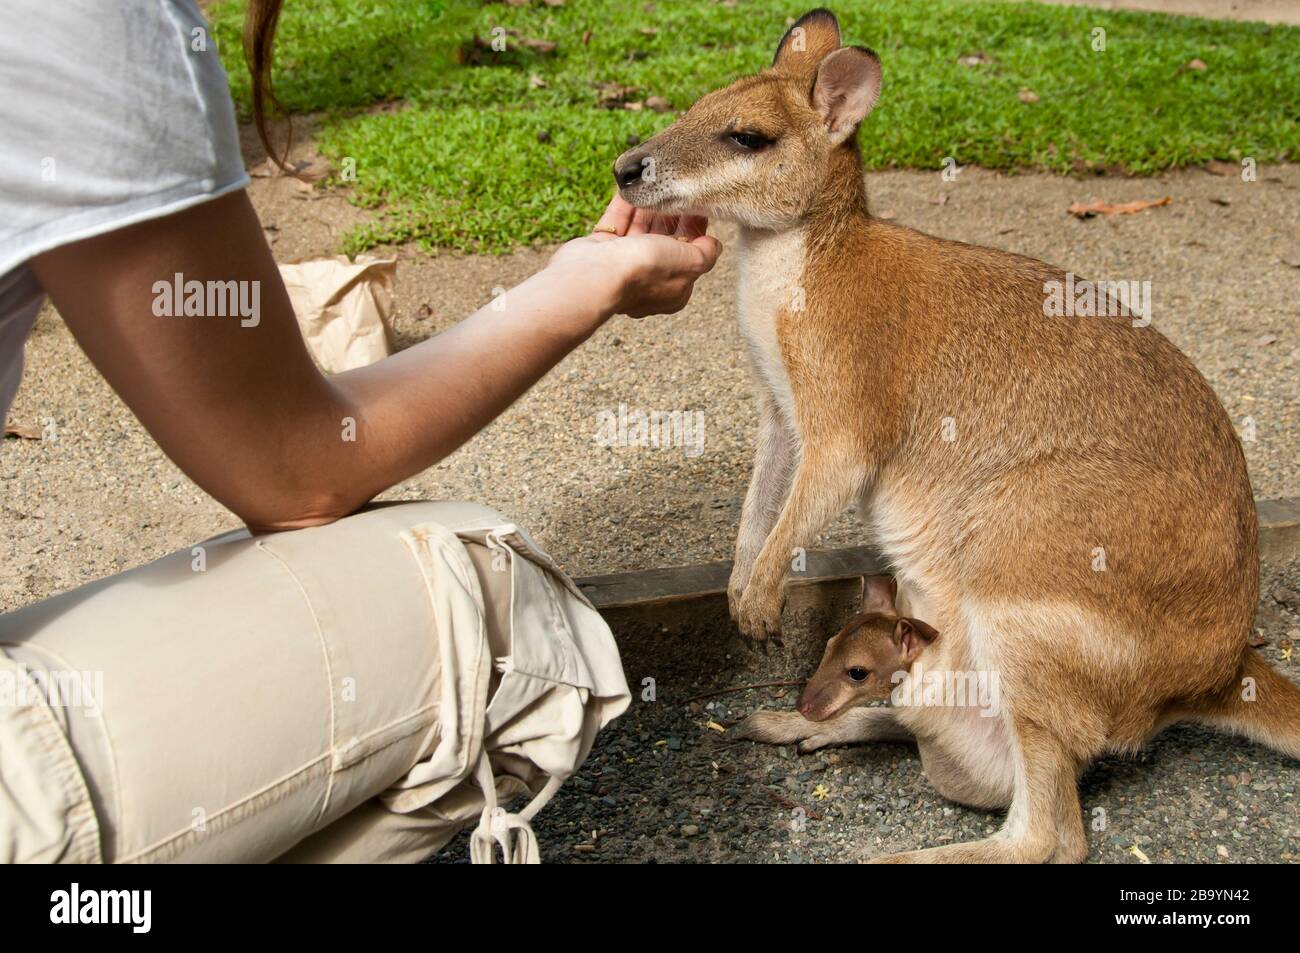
[353, 692]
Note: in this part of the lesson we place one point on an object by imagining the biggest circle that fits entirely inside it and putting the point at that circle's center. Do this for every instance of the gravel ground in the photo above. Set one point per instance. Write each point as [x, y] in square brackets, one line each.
[661, 786]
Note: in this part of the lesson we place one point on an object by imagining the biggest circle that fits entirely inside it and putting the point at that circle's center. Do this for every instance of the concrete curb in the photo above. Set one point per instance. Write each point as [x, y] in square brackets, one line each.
[1279, 541]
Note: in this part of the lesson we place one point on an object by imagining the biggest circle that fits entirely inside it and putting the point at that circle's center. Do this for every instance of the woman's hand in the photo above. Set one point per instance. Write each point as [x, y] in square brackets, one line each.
[641, 262]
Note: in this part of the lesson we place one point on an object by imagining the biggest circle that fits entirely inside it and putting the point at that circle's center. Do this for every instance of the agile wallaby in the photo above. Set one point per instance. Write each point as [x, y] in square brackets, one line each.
[1064, 498]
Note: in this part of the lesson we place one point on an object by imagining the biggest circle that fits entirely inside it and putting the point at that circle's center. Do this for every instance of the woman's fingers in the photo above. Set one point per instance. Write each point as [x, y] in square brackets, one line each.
[709, 248]
[617, 216]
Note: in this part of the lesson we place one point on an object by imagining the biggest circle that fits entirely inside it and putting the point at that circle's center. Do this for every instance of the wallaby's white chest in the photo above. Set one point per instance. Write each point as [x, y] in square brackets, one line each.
[770, 266]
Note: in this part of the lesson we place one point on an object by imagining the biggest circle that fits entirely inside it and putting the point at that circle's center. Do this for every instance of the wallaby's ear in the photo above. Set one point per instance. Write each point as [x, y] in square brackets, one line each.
[848, 84]
[912, 636]
[878, 593]
[811, 39]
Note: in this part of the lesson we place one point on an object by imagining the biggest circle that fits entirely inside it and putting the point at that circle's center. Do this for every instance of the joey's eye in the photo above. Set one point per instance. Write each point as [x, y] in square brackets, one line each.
[751, 141]
[858, 674]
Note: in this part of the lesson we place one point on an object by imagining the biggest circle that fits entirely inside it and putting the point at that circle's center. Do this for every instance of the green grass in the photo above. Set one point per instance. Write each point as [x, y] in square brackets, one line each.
[461, 166]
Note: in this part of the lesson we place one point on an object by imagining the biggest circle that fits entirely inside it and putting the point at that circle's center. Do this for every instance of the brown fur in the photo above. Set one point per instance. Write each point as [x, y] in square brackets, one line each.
[1072, 434]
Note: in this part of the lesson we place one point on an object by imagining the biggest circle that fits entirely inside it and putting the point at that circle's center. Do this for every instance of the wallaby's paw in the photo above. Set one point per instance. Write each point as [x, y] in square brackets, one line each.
[774, 727]
[823, 739]
[758, 616]
[734, 594]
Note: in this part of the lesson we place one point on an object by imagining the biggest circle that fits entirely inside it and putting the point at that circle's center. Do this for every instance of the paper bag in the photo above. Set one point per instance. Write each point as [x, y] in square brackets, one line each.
[343, 308]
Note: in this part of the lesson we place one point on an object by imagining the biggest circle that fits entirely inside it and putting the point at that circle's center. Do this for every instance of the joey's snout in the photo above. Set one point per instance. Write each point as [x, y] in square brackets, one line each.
[815, 702]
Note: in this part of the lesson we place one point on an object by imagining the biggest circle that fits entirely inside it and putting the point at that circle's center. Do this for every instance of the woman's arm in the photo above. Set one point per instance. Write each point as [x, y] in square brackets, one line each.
[243, 410]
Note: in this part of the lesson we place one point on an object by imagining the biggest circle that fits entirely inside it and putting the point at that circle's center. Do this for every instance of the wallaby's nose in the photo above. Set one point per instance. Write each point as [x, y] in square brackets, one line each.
[627, 169]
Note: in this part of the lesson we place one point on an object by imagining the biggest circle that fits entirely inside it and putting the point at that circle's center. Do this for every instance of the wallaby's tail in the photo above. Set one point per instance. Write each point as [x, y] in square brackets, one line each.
[1263, 705]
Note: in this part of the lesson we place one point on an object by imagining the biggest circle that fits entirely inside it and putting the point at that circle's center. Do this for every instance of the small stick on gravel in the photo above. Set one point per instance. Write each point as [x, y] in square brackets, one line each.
[790, 805]
[740, 688]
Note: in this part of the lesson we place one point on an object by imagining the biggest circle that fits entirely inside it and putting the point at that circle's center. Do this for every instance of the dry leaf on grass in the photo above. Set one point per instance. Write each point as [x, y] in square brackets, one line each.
[1215, 167]
[978, 58]
[1027, 96]
[1198, 65]
[21, 432]
[1079, 210]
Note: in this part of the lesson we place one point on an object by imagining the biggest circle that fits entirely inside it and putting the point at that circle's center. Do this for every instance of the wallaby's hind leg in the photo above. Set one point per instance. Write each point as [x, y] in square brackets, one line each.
[850, 727]
[1045, 822]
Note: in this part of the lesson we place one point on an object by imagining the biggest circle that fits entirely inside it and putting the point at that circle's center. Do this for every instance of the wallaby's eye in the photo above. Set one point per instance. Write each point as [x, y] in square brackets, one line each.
[750, 141]
[858, 674]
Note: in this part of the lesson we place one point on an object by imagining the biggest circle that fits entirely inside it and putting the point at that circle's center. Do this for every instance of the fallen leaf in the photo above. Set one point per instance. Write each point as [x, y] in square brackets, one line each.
[536, 82]
[650, 30]
[586, 37]
[658, 104]
[1217, 167]
[541, 47]
[614, 95]
[1198, 65]
[1079, 210]
[1027, 96]
[21, 432]
[978, 58]
[1136, 851]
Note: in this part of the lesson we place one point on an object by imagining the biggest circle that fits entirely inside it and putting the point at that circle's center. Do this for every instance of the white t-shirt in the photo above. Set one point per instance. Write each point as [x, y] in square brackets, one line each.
[110, 114]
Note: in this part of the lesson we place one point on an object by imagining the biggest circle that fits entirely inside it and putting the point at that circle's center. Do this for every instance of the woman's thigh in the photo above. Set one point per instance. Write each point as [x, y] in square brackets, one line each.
[243, 694]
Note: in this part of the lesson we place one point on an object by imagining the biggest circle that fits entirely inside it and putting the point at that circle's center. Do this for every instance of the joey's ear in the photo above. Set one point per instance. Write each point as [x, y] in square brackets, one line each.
[848, 84]
[912, 636]
[813, 36]
[878, 594]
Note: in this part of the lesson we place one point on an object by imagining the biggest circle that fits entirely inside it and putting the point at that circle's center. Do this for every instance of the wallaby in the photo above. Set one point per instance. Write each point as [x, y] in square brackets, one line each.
[1063, 498]
[868, 660]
